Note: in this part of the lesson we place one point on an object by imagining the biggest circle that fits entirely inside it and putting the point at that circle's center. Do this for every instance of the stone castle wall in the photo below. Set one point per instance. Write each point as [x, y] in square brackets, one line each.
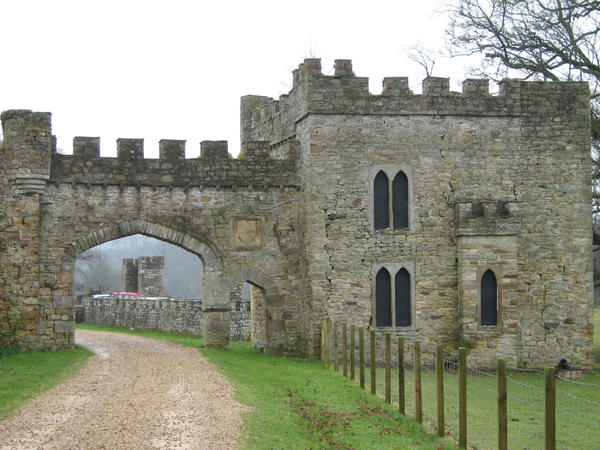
[237, 215]
[498, 182]
[173, 315]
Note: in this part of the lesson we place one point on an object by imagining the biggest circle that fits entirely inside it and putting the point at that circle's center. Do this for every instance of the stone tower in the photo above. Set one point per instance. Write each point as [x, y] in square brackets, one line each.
[454, 217]
[144, 275]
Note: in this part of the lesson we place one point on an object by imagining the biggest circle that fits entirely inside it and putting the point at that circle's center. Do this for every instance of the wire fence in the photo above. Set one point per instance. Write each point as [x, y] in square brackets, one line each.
[541, 408]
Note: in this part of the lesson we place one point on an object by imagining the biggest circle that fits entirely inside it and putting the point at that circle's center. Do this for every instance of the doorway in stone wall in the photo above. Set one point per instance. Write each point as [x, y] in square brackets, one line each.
[248, 314]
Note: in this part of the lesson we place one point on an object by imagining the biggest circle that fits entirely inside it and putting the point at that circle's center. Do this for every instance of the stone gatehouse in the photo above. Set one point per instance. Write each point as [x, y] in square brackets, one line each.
[453, 217]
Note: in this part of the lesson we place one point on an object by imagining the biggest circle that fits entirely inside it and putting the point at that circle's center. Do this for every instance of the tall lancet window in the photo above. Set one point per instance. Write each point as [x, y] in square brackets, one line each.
[400, 201]
[383, 299]
[381, 202]
[402, 292]
[391, 201]
[489, 298]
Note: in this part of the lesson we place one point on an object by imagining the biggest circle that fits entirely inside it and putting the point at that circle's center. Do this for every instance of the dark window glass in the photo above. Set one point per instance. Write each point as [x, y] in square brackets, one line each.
[402, 285]
[400, 200]
[381, 212]
[383, 299]
[489, 299]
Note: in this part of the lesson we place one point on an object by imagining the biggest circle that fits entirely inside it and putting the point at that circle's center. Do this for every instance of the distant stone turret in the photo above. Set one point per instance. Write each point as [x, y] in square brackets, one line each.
[144, 275]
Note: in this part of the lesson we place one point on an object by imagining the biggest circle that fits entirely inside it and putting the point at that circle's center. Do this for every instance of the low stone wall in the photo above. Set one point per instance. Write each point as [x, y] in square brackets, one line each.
[177, 316]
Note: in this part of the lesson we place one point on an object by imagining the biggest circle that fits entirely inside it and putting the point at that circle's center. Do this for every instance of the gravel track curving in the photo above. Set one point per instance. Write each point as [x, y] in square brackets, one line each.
[135, 393]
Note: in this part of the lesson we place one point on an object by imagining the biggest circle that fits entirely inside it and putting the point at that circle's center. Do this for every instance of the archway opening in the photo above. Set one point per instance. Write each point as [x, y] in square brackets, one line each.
[248, 314]
[139, 282]
[116, 265]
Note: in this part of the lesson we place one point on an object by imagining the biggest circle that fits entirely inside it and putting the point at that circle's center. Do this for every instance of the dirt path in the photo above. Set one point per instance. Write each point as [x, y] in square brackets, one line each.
[134, 393]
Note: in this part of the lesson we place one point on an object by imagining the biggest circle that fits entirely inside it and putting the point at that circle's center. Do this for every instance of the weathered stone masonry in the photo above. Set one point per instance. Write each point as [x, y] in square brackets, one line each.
[495, 182]
[56, 206]
[144, 275]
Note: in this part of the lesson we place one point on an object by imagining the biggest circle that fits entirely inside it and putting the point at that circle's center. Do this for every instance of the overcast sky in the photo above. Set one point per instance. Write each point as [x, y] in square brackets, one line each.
[177, 69]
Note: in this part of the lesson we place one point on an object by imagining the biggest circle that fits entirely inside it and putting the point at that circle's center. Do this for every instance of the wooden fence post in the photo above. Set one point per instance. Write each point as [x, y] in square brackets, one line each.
[401, 395]
[550, 404]
[326, 343]
[373, 351]
[361, 355]
[329, 342]
[322, 339]
[439, 366]
[352, 351]
[345, 345]
[462, 397]
[335, 346]
[502, 416]
[418, 391]
[388, 368]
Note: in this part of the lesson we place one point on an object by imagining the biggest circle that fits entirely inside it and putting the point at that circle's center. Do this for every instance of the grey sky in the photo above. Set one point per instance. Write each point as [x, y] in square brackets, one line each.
[176, 69]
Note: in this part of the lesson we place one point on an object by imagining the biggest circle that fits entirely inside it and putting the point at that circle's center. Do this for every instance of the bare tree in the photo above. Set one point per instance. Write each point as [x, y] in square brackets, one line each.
[424, 57]
[93, 268]
[535, 39]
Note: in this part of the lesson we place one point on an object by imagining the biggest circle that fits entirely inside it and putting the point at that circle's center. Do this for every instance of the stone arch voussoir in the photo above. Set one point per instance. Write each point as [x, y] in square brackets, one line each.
[273, 297]
[209, 254]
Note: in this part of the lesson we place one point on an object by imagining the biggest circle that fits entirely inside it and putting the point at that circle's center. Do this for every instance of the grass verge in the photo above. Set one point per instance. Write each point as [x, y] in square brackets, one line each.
[299, 404]
[25, 375]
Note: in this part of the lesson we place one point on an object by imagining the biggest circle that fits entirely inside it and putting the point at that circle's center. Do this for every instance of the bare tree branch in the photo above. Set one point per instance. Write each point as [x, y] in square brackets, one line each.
[547, 39]
[423, 56]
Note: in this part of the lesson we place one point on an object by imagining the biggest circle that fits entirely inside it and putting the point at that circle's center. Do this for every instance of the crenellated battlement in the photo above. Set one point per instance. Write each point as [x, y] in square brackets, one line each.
[264, 118]
[30, 151]
[259, 164]
[173, 150]
[31, 160]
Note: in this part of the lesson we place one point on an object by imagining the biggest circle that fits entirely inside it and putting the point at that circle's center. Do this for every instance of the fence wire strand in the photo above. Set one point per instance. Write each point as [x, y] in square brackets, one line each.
[577, 402]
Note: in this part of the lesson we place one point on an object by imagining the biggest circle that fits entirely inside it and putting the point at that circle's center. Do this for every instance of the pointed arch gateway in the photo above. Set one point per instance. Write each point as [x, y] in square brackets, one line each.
[212, 262]
[209, 255]
[271, 314]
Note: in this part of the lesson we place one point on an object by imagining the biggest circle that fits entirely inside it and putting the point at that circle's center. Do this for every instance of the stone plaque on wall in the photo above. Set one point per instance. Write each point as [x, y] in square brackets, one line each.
[248, 232]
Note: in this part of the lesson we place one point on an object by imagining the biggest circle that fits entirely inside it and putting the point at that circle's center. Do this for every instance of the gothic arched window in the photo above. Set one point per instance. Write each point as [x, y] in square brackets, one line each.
[400, 200]
[402, 293]
[383, 298]
[489, 298]
[393, 302]
[396, 191]
[381, 201]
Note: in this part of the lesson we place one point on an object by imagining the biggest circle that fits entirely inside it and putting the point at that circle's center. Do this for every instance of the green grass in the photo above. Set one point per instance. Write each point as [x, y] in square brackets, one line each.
[296, 403]
[299, 404]
[25, 375]
[577, 405]
[576, 416]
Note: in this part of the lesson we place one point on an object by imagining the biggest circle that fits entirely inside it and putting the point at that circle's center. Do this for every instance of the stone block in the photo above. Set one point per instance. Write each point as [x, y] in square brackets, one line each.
[64, 326]
[63, 301]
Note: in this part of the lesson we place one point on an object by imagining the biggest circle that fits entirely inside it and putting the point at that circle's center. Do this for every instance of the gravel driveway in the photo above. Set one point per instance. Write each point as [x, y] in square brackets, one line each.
[134, 393]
